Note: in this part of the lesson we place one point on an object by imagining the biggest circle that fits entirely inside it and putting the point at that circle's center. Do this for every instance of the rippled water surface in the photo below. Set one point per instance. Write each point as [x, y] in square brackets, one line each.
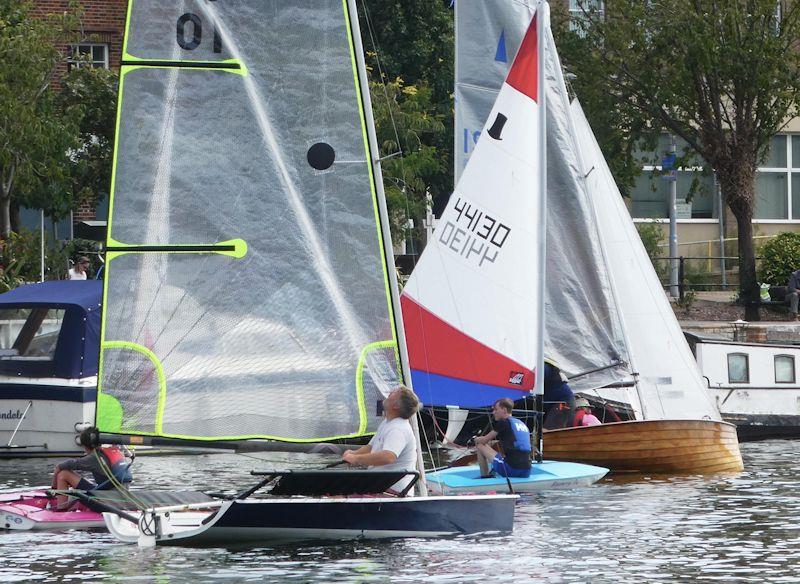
[742, 528]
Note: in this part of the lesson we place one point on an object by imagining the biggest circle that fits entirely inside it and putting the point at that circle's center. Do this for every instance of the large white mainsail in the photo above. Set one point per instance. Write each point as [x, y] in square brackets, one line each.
[669, 384]
[257, 303]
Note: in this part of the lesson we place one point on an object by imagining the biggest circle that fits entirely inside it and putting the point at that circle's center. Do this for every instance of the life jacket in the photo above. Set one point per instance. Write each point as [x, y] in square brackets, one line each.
[578, 419]
[522, 436]
[117, 463]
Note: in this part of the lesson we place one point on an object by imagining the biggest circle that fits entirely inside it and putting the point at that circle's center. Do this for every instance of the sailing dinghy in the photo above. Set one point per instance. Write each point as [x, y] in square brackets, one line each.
[474, 334]
[607, 322]
[276, 318]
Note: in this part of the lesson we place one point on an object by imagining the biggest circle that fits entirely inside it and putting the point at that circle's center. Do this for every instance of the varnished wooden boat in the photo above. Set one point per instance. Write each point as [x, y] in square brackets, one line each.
[655, 446]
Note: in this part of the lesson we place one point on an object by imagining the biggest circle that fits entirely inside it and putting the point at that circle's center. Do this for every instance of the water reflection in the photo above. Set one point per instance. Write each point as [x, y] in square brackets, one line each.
[742, 528]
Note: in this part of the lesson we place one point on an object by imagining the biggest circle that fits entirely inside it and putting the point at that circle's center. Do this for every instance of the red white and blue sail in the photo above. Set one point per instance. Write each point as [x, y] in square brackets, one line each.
[470, 307]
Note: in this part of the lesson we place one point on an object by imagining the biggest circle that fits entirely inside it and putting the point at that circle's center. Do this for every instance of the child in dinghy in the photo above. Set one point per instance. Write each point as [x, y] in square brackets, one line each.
[107, 464]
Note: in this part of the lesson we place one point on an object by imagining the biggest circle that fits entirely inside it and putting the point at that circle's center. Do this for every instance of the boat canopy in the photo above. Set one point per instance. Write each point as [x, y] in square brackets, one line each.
[76, 350]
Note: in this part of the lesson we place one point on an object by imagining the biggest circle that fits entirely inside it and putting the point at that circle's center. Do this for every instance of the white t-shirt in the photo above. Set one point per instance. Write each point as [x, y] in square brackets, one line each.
[397, 436]
[76, 275]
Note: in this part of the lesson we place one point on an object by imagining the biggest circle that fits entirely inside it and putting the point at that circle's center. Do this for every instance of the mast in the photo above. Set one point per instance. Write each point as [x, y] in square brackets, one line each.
[391, 275]
[542, 17]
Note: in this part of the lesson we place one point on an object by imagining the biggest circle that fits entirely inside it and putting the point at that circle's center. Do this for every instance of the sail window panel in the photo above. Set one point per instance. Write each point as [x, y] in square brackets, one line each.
[231, 372]
[738, 368]
[784, 369]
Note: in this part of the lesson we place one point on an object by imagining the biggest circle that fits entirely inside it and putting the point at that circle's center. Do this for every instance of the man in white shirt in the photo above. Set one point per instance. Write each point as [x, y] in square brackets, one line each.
[393, 446]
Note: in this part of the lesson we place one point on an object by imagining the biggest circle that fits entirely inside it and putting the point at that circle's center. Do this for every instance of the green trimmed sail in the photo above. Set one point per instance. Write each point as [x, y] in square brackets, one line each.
[246, 291]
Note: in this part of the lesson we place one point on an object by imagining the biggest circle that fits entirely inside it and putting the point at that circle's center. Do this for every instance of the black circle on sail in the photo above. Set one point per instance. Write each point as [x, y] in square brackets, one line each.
[321, 156]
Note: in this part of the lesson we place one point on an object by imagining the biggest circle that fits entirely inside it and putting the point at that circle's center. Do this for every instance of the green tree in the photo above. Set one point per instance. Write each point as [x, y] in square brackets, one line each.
[413, 40]
[93, 92]
[780, 256]
[36, 135]
[723, 76]
[405, 118]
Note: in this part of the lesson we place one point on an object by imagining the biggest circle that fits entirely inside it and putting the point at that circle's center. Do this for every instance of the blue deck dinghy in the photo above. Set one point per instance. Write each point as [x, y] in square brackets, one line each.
[548, 474]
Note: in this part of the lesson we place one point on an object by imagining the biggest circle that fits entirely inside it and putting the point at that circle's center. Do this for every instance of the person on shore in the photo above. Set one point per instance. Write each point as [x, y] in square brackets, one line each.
[96, 460]
[793, 294]
[393, 447]
[515, 440]
[583, 414]
[78, 271]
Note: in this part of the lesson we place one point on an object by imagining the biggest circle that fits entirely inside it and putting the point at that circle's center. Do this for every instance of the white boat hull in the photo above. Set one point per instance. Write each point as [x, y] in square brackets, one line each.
[38, 417]
[763, 406]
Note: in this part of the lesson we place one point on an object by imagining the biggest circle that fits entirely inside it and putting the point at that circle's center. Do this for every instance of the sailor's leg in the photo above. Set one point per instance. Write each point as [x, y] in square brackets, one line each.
[64, 479]
[485, 456]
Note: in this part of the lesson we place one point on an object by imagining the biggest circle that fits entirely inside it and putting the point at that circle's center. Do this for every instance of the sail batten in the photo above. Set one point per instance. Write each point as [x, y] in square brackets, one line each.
[247, 289]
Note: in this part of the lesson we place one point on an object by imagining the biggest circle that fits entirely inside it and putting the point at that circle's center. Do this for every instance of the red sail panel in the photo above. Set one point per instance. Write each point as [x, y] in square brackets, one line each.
[524, 74]
[439, 348]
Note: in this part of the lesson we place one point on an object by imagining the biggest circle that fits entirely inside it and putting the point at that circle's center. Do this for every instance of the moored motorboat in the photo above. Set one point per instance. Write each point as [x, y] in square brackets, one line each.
[755, 385]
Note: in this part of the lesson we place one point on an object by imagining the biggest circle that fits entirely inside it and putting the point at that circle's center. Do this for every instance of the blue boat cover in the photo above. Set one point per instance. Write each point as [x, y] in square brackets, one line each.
[78, 347]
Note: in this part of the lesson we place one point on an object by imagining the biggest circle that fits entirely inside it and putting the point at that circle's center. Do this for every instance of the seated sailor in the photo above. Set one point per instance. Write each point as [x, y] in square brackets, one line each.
[515, 440]
[97, 460]
[583, 414]
[393, 447]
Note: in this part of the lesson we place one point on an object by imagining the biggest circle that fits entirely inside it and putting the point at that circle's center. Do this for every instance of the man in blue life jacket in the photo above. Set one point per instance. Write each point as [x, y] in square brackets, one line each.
[515, 440]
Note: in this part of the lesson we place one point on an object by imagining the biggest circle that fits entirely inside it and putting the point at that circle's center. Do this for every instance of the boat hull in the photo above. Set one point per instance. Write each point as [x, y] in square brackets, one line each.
[26, 511]
[751, 427]
[652, 446]
[544, 476]
[303, 519]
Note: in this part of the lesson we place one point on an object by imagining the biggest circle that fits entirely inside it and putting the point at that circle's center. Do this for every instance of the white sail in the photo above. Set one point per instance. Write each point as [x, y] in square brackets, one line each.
[247, 272]
[487, 35]
[669, 382]
[470, 307]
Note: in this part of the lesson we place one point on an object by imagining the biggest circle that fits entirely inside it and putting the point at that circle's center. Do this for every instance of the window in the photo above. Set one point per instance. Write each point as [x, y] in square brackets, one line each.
[88, 55]
[784, 369]
[738, 368]
[695, 188]
[777, 184]
[29, 333]
[578, 9]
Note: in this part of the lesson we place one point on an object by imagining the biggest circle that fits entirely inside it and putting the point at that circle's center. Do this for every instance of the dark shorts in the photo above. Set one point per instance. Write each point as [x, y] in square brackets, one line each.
[500, 467]
[85, 485]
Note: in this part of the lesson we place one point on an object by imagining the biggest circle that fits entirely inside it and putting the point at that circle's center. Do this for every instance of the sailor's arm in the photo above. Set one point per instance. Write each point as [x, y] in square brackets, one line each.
[486, 438]
[371, 458]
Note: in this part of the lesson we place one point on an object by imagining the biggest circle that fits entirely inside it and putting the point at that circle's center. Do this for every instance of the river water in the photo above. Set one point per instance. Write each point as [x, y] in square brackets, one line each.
[739, 528]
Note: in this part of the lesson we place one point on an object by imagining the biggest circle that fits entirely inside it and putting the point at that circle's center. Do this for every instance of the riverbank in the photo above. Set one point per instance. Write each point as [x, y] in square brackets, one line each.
[713, 314]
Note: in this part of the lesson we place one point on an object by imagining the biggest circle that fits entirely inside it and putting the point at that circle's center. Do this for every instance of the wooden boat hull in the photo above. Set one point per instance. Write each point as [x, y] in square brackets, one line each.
[297, 519]
[650, 446]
